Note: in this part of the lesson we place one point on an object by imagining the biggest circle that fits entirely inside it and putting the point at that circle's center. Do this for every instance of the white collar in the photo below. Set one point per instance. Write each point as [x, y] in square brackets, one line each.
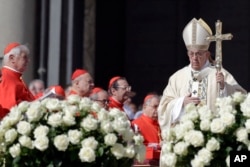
[12, 69]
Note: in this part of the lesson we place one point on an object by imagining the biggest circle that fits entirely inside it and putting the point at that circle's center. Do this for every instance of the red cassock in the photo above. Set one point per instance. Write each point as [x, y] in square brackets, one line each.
[115, 104]
[12, 90]
[148, 128]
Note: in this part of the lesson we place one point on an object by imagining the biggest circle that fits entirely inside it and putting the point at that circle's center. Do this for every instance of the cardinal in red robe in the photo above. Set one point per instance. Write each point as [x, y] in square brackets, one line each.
[147, 124]
[13, 90]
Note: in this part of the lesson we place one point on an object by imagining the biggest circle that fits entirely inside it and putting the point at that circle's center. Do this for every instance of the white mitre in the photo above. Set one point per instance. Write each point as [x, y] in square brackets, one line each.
[195, 34]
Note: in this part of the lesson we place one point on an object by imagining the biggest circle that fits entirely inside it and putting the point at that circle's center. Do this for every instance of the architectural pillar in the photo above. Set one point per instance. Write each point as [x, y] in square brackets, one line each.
[89, 36]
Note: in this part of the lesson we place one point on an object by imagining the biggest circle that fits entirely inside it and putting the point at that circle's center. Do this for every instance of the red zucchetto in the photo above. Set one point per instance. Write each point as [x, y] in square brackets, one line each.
[96, 90]
[10, 46]
[77, 73]
[112, 80]
[148, 97]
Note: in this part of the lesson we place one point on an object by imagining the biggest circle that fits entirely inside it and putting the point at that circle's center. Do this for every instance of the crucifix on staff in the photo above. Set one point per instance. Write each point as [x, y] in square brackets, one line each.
[218, 38]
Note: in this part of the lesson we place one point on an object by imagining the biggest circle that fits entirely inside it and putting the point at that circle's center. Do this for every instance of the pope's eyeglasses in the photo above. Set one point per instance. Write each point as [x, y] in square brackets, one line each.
[198, 54]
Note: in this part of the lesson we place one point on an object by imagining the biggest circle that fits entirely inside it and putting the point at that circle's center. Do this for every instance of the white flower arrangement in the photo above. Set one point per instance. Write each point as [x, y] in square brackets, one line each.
[205, 138]
[73, 132]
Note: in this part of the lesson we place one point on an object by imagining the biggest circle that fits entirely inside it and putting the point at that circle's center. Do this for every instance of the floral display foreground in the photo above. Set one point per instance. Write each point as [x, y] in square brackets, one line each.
[206, 139]
[73, 132]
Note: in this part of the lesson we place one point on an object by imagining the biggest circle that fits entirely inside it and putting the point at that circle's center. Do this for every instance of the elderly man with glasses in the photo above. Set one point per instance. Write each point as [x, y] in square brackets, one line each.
[119, 91]
[100, 96]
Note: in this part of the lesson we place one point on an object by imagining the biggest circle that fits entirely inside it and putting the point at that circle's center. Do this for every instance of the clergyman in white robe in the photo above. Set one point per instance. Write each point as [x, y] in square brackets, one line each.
[171, 105]
[199, 82]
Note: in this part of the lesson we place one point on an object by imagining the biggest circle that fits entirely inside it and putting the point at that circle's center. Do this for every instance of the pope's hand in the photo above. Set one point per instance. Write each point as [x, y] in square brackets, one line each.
[220, 79]
[189, 99]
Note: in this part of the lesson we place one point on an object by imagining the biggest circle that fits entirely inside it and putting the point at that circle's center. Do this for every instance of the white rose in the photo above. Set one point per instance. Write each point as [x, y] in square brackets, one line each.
[242, 135]
[118, 150]
[217, 126]
[23, 128]
[245, 107]
[87, 154]
[73, 99]
[247, 125]
[10, 135]
[41, 143]
[226, 109]
[228, 119]
[74, 136]
[44, 101]
[213, 144]
[238, 97]
[2, 132]
[55, 119]
[181, 148]
[138, 139]
[69, 120]
[106, 126]
[15, 115]
[90, 142]
[23, 106]
[222, 102]
[120, 124]
[89, 123]
[103, 115]
[190, 107]
[167, 147]
[141, 151]
[205, 113]
[110, 139]
[168, 159]
[128, 134]
[114, 113]
[85, 104]
[70, 110]
[41, 131]
[197, 162]
[53, 104]
[180, 131]
[61, 142]
[192, 115]
[95, 107]
[129, 151]
[188, 125]
[26, 142]
[6, 122]
[195, 138]
[248, 146]
[205, 125]
[35, 111]
[205, 156]
[15, 150]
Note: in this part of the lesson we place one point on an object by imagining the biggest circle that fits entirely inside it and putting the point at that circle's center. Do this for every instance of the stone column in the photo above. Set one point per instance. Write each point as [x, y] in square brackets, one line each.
[17, 23]
[54, 42]
[89, 35]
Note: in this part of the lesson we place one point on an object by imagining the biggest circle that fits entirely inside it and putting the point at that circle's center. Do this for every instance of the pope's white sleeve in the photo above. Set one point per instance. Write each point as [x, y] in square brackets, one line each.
[177, 110]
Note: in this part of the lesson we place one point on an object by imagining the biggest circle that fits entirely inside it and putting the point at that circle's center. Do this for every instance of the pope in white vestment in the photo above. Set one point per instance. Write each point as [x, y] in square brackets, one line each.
[198, 83]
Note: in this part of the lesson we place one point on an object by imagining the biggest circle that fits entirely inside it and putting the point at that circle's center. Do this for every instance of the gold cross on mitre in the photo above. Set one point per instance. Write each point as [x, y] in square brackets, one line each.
[218, 38]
